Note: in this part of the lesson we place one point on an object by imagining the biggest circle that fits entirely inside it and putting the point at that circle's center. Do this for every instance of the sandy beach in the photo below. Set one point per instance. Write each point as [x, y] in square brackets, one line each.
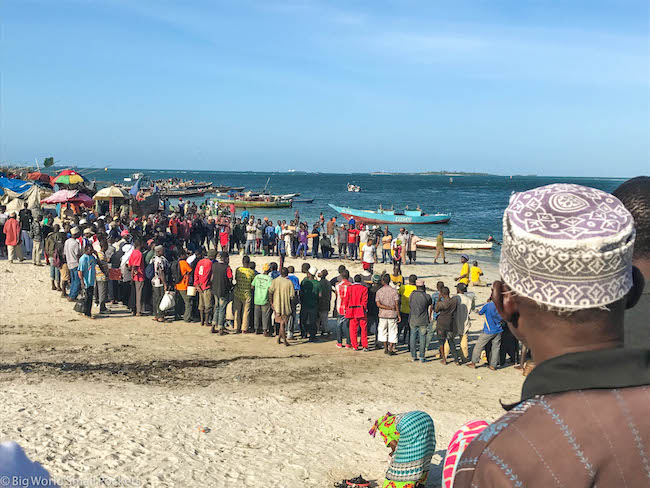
[151, 404]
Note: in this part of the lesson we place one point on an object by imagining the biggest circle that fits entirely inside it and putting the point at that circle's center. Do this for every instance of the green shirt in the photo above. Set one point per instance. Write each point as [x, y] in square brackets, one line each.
[439, 241]
[309, 292]
[262, 283]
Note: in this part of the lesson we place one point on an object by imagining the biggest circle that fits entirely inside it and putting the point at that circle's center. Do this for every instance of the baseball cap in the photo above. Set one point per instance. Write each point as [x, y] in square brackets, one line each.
[461, 286]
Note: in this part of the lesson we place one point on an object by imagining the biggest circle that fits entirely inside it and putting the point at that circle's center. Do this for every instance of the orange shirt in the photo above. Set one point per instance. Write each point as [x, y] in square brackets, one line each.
[186, 269]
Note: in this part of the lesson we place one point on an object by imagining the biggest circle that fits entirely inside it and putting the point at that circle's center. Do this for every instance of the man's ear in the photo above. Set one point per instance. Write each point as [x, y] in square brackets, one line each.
[505, 302]
[633, 296]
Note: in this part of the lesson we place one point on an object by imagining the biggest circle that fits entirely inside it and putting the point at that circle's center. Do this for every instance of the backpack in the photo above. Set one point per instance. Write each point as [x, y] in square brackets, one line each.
[57, 260]
[177, 277]
[150, 271]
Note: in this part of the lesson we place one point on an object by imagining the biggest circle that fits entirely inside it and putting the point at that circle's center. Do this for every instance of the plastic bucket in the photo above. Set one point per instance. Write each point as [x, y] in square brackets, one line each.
[191, 291]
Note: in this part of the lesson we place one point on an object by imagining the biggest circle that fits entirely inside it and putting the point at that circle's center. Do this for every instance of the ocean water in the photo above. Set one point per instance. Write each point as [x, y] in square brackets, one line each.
[476, 203]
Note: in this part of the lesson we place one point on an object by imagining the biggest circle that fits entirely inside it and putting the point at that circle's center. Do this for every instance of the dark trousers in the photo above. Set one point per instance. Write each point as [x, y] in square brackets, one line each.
[308, 322]
[353, 250]
[158, 293]
[88, 300]
[449, 336]
[385, 256]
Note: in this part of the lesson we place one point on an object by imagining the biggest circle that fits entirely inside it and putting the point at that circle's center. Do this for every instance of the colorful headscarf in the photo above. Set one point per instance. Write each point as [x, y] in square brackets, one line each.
[387, 427]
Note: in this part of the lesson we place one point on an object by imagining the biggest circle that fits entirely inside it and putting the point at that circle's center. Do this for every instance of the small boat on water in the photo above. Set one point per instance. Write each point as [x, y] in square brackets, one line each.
[303, 200]
[354, 188]
[381, 216]
[456, 244]
[255, 201]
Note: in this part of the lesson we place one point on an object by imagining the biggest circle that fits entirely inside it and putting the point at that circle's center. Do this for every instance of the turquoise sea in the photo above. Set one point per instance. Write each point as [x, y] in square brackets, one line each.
[476, 203]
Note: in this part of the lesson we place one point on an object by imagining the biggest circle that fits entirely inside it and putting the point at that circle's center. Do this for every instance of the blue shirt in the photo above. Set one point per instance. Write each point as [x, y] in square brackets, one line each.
[352, 223]
[270, 231]
[435, 297]
[87, 265]
[296, 282]
[245, 214]
[275, 274]
[493, 319]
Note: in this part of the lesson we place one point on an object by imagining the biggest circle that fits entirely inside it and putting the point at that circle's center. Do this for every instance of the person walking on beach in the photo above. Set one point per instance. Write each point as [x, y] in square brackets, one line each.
[356, 310]
[12, 232]
[387, 299]
[72, 250]
[463, 277]
[440, 248]
[419, 319]
[86, 274]
[281, 295]
[242, 302]
[261, 284]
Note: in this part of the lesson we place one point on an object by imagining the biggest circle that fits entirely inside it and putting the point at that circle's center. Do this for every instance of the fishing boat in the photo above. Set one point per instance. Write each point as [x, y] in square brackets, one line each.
[303, 200]
[457, 244]
[264, 201]
[354, 188]
[382, 216]
[182, 193]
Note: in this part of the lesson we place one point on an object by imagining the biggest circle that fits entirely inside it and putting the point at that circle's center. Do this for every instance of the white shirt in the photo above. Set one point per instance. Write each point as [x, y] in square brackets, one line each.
[363, 236]
[369, 254]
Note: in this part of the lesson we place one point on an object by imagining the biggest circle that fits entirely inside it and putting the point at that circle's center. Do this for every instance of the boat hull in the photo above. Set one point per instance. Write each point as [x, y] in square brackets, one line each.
[254, 204]
[369, 217]
[457, 244]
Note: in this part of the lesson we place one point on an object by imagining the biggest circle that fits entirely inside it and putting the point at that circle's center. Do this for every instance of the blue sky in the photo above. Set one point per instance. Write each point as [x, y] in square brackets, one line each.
[545, 87]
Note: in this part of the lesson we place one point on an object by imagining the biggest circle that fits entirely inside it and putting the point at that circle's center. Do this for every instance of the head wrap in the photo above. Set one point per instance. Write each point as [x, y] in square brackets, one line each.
[567, 246]
[457, 446]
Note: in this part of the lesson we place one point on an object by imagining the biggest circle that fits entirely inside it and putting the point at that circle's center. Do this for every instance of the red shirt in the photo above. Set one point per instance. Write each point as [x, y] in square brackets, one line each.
[137, 265]
[352, 236]
[341, 290]
[203, 274]
[356, 301]
[12, 231]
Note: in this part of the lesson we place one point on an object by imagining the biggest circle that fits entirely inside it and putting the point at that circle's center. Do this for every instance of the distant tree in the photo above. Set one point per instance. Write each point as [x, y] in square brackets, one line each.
[48, 162]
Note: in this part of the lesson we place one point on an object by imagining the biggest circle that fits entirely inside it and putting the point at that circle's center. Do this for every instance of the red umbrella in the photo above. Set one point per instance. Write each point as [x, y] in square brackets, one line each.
[38, 176]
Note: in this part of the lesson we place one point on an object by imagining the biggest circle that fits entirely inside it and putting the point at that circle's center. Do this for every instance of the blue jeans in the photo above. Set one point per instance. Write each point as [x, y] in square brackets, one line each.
[75, 283]
[302, 247]
[250, 247]
[386, 256]
[419, 332]
[219, 315]
[55, 273]
[342, 329]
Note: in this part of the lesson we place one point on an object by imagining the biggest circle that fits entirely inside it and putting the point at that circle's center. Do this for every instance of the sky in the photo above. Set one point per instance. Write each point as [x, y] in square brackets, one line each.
[503, 86]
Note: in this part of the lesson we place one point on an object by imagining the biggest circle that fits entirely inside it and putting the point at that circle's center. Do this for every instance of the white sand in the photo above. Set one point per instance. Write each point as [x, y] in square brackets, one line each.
[122, 397]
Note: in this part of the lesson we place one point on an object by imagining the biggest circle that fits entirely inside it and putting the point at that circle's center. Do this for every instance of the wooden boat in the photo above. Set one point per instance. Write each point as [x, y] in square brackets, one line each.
[182, 193]
[381, 216]
[254, 202]
[456, 244]
[303, 200]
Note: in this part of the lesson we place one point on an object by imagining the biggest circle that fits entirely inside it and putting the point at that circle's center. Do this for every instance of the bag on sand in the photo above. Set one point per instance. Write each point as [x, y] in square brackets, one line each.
[167, 301]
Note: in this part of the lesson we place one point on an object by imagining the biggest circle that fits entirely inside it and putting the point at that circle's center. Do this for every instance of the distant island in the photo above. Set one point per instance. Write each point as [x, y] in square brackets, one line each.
[435, 173]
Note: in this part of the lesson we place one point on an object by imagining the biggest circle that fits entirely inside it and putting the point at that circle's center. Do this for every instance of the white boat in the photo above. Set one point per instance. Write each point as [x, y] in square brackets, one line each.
[354, 188]
[457, 244]
[134, 177]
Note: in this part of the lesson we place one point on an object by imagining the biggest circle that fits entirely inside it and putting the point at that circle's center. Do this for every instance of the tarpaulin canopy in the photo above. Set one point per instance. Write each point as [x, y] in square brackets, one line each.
[69, 196]
[15, 185]
[38, 176]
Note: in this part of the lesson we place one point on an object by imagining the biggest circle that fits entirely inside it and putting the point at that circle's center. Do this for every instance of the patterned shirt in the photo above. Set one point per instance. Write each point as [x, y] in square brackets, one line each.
[244, 278]
[582, 422]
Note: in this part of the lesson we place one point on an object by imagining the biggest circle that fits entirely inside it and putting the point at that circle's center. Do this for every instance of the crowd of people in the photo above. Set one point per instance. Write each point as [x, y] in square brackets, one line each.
[138, 261]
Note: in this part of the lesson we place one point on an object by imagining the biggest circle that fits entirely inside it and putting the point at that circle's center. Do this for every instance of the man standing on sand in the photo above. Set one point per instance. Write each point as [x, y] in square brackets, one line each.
[342, 241]
[330, 228]
[582, 419]
[136, 265]
[12, 233]
[324, 304]
[310, 293]
[368, 256]
[635, 195]
[463, 277]
[36, 235]
[25, 217]
[353, 246]
[385, 247]
[159, 282]
[356, 309]
[405, 308]
[72, 250]
[203, 282]
[492, 329]
[446, 309]
[261, 284]
[466, 303]
[387, 299]
[281, 294]
[244, 276]
[86, 274]
[419, 319]
[221, 286]
[343, 323]
[440, 248]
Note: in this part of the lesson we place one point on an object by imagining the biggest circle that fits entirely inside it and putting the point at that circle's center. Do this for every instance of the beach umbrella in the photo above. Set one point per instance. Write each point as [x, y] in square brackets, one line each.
[68, 196]
[38, 176]
[68, 177]
[108, 193]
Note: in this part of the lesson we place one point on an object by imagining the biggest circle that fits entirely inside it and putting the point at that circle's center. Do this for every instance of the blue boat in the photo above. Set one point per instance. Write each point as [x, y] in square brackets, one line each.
[381, 216]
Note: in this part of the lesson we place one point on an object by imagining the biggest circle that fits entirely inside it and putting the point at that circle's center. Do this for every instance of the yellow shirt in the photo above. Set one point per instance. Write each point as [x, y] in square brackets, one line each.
[475, 274]
[397, 280]
[405, 292]
[464, 271]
